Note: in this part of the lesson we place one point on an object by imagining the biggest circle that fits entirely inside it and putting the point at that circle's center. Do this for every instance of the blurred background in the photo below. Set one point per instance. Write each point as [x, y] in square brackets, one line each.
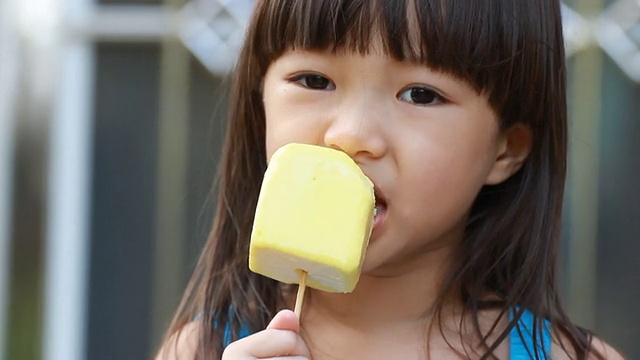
[110, 125]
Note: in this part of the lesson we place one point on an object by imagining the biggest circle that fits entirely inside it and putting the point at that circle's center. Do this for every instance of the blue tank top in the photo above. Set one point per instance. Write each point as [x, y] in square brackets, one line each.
[521, 345]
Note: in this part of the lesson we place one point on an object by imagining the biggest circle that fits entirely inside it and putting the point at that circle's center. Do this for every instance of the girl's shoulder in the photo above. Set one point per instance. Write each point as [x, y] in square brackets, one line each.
[559, 344]
[183, 344]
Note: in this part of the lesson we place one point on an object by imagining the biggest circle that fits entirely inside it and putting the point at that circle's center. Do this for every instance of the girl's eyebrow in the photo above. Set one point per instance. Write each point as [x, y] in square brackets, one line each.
[439, 77]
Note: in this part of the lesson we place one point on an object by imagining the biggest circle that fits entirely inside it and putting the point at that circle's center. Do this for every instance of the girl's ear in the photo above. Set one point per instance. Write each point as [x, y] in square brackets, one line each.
[514, 145]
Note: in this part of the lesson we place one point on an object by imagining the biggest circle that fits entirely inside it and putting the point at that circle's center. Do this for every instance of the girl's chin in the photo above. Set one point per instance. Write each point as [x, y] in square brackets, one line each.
[373, 259]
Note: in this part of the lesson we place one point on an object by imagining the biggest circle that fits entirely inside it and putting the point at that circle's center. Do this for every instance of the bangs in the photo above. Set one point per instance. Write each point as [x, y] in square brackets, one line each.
[477, 41]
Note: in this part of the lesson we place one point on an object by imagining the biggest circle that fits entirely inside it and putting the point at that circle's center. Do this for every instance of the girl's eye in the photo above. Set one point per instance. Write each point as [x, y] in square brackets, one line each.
[421, 95]
[314, 82]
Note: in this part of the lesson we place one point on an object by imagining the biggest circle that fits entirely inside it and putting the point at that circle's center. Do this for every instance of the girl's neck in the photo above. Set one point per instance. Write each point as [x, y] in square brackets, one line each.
[394, 294]
[392, 314]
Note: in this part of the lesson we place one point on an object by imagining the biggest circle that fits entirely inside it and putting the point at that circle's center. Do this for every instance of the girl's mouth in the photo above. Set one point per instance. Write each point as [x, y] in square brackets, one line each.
[380, 210]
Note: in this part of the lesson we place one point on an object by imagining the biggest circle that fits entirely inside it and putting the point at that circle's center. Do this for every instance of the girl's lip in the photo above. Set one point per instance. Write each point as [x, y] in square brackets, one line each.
[379, 195]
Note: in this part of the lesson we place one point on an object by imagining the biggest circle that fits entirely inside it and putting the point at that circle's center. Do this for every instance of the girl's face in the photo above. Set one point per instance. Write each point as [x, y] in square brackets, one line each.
[428, 141]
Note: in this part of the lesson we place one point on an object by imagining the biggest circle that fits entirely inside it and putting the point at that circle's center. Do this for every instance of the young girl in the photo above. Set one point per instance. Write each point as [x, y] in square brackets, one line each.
[456, 111]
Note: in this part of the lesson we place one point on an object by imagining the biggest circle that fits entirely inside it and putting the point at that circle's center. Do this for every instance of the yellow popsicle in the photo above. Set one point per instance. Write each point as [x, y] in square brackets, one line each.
[314, 214]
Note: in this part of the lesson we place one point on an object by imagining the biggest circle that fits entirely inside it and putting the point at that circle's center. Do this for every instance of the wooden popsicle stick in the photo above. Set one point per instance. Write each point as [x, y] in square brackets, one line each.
[300, 297]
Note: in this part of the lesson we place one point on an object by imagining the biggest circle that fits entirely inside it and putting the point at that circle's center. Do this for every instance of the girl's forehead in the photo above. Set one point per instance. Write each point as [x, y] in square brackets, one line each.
[488, 44]
[375, 45]
[394, 27]
[408, 49]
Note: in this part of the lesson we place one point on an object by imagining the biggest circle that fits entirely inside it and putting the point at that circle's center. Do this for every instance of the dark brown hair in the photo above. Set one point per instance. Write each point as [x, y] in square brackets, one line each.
[511, 50]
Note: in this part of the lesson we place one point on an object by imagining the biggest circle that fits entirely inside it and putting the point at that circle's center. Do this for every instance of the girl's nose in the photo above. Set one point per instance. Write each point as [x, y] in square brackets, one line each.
[357, 131]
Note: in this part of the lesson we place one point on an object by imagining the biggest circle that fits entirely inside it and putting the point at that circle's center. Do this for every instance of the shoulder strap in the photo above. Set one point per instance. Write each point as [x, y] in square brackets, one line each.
[244, 332]
[522, 346]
